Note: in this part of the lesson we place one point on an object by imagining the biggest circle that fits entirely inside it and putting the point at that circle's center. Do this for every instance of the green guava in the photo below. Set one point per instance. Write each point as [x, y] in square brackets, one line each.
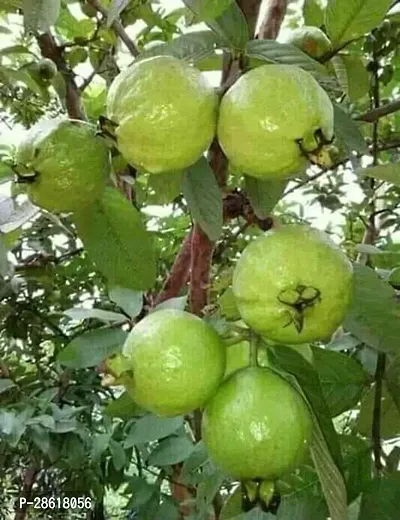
[47, 69]
[66, 163]
[165, 112]
[293, 285]
[238, 356]
[271, 118]
[310, 40]
[177, 361]
[256, 426]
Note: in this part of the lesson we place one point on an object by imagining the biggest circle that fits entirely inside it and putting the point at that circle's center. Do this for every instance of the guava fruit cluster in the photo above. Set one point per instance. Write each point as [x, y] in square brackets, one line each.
[166, 115]
[65, 164]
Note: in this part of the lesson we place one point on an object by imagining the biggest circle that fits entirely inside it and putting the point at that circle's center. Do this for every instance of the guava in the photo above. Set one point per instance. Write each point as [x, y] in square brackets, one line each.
[310, 40]
[66, 164]
[293, 285]
[257, 426]
[47, 69]
[177, 362]
[165, 112]
[271, 118]
[238, 356]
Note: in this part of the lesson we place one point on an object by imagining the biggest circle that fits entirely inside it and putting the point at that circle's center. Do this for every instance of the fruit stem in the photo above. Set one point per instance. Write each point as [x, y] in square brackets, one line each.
[254, 341]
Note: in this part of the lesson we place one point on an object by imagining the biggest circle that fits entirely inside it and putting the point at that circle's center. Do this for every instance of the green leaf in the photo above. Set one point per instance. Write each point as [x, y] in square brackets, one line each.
[302, 504]
[115, 10]
[202, 194]
[130, 301]
[116, 240]
[193, 47]
[390, 416]
[123, 407]
[100, 443]
[141, 492]
[346, 20]
[40, 15]
[171, 451]
[117, 454]
[381, 501]
[197, 458]
[373, 316]
[342, 379]
[264, 195]
[15, 49]
[292, 362]
[151, 428]
[384, 172]
[347, 131]
[357, 76]
[89, 349]
[313, 13]
[79, 313]
[206, 10]
[231, 27]
[5, 384]
[392, 376]
[357, 464]
[179, 303]
[275, 52]
[163, 188]
[228, 306]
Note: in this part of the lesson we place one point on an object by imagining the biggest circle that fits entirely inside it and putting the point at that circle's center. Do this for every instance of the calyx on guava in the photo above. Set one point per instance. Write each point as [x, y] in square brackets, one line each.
[271, 118]
[310, 40]
[65, 164]
[293, 285]
[165, 112]
[177, 362]
[256, 426]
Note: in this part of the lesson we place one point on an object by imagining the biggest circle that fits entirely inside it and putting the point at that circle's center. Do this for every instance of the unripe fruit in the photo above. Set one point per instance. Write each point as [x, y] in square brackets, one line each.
[165, 112]
[256, 426]
[310, 40]
[271, 118]
[177, 362]
[293, 285]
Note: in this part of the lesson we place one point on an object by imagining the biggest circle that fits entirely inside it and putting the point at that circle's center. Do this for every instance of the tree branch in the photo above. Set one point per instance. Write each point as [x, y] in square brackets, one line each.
[251, 10]
[28, 480]
[202, 249]
[179, 275]
[271, 24]
[376, 113]
[50, 49]
[117, 26]
[376, 419]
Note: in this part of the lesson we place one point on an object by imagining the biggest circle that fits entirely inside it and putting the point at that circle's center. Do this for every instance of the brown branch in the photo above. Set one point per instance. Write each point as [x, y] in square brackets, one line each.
[271, 24]
[202, 249]
[376, 113]
[50, 49]
[117, 26]
[179, 275]
[251, 10]
[28, 480]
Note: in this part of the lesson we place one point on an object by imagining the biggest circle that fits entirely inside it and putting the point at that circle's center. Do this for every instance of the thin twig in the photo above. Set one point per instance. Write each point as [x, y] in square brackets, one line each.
[376, 113]
[117, 26]
[376, 419]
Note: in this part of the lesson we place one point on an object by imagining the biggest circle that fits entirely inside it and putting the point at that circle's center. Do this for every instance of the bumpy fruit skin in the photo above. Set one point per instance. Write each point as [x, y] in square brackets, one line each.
[72, 165]
[310, 40]
[166, 114]
[177, 361]
[256, 425]
[276, 267]
[263, 115]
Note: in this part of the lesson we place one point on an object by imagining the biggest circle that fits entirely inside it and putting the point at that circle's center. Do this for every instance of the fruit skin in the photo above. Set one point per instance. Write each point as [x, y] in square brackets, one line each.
[282, 260]
[256, 425]
[47, 69]
[265, 112]
[238, 356]
[310, 40]
[166, 114]
[177, 360]
[71, 163]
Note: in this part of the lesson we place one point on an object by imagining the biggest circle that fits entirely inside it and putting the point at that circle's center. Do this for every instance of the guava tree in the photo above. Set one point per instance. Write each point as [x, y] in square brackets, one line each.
[176, 342]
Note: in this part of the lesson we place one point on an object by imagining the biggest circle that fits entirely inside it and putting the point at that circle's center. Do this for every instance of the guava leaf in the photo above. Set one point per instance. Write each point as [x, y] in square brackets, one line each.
[392, 376]
[123, 407]
[313, 13]
[202, 194]
[357, 464]
[230, 26]
[357, 76]
[374, 313]
[342, 379]
[130, 301]
[150, 428]
[347, 131]
[80, 313]
[390, 416]
[384, 172]
[40, 15]
[284, 53]
[206, 10]
[116, 240]
[346, 20]
[89, 349]
[264, 195]
[381, 501]
[171, 451]
[193, 47]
